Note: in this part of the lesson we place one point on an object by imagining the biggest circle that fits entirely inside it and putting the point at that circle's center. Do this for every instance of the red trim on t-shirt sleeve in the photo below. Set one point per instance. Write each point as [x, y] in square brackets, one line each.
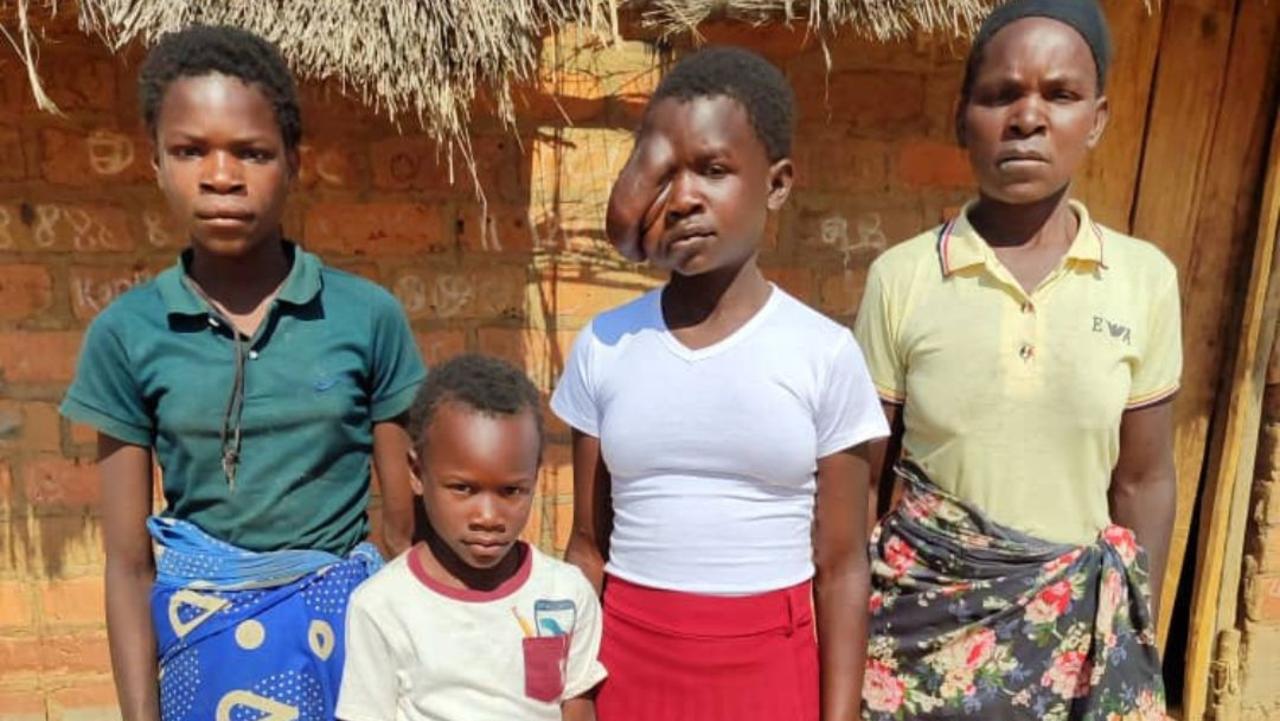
[508, 587]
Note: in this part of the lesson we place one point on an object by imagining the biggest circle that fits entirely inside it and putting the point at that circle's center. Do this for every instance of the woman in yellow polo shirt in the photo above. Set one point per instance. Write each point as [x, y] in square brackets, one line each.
[1026, 357]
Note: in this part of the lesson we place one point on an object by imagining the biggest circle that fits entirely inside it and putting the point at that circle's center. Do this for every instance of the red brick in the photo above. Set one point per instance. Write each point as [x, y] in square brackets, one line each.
[73, 602]
[438, 346]
[555, 479]
[6, 492]
[78, 653]
[83, 434]
[1262, 602]
[160, 230]
[538, 354]
[38, 357]
[54, 481]
[70, 543]
[411, 163]
[572, 171]
[13, 85]
[93, 288]
[29, 426]
[79, 228]
[929, 164]
[566, 97]
[853, 230]
[872, 102]
[1264, 545]
[1267, 510]
[563, 524]
[365, 269]
[332, 165]
[24, 705]
[796, 281]
[87, 699]
[377, 228]
[582, 293]
[13, 154]
[20, 656]
[532, 531]
[831, 161]
[497, 292]
[90, 158]
[15, 605]
[25, 290]
[77, 82]
[415, 162]
[779, 42]
[506, 229]
[841, 291]
[14, 233]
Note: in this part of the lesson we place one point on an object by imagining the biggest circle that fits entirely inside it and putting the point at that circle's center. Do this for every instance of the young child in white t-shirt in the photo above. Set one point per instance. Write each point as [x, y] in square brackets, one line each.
[472, 623]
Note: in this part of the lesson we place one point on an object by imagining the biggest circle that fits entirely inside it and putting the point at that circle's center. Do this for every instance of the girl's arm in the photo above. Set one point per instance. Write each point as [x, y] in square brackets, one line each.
[883, 453]
[391, 461]
[842, 581]
[592, 512]
[125, 471]
[581, 708]
[1144, 489]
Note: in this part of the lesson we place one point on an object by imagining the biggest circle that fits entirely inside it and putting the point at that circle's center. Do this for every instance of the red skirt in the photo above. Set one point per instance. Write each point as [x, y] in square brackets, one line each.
[677, 656]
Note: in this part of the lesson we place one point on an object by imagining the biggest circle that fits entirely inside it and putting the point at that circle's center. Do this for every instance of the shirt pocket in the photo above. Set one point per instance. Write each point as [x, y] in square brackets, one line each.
[544, 665]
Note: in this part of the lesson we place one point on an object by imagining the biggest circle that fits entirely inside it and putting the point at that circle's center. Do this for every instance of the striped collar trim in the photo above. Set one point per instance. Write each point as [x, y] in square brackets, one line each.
[960, 246]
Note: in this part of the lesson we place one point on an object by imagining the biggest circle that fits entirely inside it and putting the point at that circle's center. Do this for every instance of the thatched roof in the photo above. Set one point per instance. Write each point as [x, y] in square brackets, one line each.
[427, 60]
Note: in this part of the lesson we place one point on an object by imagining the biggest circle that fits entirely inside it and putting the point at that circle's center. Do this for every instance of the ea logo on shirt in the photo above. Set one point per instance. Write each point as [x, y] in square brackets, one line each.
[1115, 330]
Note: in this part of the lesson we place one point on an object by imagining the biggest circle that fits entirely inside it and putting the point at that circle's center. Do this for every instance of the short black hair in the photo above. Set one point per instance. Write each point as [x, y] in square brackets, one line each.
[755, 83]
[203, 49]
[1083, 16]
[486, 384]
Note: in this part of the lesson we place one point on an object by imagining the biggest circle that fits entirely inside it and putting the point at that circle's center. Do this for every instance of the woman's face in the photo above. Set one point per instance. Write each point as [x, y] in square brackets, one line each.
[1034, 110]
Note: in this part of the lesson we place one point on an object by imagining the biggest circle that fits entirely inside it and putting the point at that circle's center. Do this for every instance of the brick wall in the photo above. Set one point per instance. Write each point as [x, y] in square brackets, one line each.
[1260, 641]
[80, 221]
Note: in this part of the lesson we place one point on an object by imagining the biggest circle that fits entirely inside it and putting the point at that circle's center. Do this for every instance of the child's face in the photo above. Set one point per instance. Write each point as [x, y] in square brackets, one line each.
[476, 475]
[1034, 111]
[222, 164]
[715, 185]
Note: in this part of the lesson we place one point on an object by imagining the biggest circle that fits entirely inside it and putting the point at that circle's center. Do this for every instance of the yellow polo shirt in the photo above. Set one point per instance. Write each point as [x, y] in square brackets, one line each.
[1012, 401]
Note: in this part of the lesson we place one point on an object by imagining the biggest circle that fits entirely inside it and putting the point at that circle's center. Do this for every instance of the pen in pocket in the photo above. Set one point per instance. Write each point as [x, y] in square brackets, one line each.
[524, 625]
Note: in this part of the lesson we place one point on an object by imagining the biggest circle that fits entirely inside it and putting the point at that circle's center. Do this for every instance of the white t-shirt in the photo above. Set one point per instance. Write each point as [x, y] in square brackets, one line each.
[713, 452]
[421, 651]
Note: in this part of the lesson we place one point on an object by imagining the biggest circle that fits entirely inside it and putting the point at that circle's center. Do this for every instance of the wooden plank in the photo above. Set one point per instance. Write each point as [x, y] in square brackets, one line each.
[1215, 604]
[1228, 200]
[1194, 51]
[1108, 181]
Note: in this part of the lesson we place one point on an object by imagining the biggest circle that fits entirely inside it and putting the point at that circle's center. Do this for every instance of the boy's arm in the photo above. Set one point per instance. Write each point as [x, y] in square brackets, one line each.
[125, 471]
[842, 580]
[370, 689]
[581, 708]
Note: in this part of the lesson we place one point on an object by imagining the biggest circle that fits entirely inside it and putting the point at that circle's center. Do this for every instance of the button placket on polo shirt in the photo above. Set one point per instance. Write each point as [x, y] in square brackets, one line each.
[1017, 314]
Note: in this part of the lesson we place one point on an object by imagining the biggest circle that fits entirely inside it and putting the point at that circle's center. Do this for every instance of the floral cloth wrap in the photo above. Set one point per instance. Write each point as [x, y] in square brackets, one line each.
[970, 619]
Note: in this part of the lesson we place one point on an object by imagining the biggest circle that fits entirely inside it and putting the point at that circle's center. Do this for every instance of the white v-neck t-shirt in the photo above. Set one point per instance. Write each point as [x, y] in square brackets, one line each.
[713, 452]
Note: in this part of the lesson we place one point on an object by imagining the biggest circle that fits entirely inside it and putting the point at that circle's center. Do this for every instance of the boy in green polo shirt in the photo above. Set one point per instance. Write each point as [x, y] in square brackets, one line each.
[263, 382]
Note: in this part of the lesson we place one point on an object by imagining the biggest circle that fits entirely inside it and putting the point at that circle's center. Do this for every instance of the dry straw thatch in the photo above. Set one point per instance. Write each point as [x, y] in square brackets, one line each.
[428, 59]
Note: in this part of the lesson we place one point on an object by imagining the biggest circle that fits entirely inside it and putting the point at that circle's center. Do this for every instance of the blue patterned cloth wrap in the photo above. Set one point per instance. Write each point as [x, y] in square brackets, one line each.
[248, 636]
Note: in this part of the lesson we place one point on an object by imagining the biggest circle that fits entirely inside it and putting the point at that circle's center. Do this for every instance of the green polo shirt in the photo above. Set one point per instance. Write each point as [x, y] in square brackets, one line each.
[333, 356]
